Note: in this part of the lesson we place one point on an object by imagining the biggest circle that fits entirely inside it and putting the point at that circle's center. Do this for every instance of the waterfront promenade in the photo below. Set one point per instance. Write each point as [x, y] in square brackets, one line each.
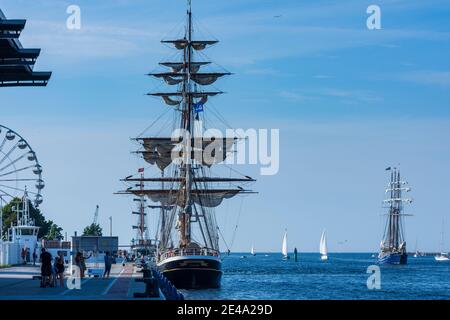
[17, 283]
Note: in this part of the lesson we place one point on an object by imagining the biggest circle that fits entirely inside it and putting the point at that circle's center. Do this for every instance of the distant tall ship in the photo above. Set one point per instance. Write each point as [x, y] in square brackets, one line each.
[393, 245]
[188, 240]
[142, 244]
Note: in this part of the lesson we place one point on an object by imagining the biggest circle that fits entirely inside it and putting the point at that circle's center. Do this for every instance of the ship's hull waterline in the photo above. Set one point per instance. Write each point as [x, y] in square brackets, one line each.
[393, 258]
[192, 272]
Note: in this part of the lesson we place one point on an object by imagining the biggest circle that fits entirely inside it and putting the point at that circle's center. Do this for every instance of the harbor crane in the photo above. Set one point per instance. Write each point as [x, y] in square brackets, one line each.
[95, 215]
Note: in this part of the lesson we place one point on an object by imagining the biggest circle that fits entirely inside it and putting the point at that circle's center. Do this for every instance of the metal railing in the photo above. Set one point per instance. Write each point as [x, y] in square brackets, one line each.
[188, 252]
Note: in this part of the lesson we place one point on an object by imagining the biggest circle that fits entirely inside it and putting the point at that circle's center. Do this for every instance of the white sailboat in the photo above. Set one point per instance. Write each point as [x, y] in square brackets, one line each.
[252, 251]
[284, 248]
[323, 247]
[416, 252]
[443, 256]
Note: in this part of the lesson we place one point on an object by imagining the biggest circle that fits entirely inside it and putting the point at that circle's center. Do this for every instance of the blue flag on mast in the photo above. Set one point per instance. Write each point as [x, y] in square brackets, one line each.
[198, 107]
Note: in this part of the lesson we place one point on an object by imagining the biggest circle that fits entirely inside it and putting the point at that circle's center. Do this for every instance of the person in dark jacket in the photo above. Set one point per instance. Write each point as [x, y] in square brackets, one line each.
[34, 256]
[46, 268]
[108, 263]
[59, 270]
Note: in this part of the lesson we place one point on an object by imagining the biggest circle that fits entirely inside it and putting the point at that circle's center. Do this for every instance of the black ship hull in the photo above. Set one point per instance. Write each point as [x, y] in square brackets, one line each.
[192, 272]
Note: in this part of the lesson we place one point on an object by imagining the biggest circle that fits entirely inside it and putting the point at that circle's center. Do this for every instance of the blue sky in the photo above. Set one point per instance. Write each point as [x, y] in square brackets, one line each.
[348, 102]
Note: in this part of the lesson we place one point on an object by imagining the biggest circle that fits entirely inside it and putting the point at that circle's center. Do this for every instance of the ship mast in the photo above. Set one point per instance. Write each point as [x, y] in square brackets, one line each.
[187, 118]
[142, 226]
[394, 237]
[142, 238]
[189, 197]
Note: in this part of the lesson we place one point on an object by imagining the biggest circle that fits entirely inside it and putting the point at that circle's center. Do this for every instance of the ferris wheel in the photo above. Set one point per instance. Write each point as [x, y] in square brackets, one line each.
[20, 170]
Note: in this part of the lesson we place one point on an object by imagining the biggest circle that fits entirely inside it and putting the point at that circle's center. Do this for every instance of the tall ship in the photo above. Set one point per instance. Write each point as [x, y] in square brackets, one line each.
[184, 190]
[393, 245]
[142, 243]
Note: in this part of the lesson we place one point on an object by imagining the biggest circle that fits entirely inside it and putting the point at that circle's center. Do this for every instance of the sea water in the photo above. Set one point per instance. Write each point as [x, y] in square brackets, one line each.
[343, 276]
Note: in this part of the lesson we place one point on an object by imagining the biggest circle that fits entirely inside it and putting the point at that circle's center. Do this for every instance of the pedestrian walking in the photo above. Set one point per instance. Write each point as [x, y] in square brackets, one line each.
[80, 262]
[108, 264]
[23, 254]
[34, 256]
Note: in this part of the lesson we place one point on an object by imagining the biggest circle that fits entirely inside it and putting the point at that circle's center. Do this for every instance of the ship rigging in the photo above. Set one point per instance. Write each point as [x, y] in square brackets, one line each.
[188, 238]
[393, 245]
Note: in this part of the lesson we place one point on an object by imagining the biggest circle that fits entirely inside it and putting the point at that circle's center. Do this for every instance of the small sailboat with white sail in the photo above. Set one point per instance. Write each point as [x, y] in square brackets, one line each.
[252, 251]
[284, 247]
[416, 251]
[323, 247]
[443, 256]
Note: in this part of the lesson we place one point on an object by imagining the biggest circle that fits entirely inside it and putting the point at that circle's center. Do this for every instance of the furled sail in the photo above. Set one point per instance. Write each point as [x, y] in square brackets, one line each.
[167, 97]
[179, 94]
[195, 179]
[407, 200]
[160, 159]
[178, 66]
[203, 78]
[212, 200]
[207, 151]
[202, 100]
[170, 101]
[198, 45]
[159, 152]
[205, 198]
[171, 80]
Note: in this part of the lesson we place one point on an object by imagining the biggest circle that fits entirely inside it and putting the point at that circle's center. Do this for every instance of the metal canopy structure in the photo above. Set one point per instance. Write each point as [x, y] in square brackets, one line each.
[16, 63]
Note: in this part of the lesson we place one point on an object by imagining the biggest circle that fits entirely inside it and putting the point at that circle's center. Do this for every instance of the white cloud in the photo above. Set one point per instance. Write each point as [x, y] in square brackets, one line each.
[91, 41]
[322, 76]
[263, 72]
[248, 37]
[426, 77]
[346, 96]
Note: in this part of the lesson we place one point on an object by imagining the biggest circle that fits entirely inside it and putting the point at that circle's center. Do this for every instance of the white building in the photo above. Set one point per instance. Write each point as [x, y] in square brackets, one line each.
[21, 237]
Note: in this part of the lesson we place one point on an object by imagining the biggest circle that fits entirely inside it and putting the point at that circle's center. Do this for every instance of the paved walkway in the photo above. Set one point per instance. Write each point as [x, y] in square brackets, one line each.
[16, 283]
